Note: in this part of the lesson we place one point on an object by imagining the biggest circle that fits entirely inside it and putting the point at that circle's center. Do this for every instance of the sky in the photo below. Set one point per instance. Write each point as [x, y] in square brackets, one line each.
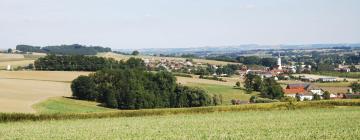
[133, 24]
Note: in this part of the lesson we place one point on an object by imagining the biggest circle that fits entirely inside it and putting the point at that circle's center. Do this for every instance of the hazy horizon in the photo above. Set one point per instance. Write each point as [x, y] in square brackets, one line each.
[178, 24]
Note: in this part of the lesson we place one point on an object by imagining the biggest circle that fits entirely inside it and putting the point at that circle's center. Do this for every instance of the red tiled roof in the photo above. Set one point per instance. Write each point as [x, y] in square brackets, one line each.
[294, 91]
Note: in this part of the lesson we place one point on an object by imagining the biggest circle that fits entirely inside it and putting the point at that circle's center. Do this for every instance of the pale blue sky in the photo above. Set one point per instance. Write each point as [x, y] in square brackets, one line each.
[178, 23]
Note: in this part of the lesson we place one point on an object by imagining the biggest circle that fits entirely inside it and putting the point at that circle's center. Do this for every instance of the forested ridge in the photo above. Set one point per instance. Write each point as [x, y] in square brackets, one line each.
[74, 49]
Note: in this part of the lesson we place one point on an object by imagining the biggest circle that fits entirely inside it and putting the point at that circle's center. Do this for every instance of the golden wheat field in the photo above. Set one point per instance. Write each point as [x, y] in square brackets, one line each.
[19, 90]
[16, 60]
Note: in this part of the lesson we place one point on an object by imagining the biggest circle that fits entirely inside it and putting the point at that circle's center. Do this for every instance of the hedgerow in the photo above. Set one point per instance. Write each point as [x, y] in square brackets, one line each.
[13, 117]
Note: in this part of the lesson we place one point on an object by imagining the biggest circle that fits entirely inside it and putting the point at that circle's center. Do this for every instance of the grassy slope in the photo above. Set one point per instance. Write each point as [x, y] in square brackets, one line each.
[338, 123]
[66, 105]
[228, 92]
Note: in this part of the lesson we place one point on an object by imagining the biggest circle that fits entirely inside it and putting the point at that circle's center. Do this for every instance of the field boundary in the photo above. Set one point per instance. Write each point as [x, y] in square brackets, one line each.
[14, 117]
[37, 80]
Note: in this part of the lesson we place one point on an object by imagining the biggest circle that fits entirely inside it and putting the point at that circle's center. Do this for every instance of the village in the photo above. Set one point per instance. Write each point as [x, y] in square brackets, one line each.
[301, 86]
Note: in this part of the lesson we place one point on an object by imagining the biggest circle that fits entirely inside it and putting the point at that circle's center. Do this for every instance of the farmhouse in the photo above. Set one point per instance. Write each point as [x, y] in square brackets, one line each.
[337, 92]
[327, 79]
[304, 91]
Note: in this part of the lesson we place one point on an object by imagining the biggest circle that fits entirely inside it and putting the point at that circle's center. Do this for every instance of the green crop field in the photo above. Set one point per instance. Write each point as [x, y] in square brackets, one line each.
[334, 84]
[341, 74]
[66, 105]
[228, 92]
[310, 123]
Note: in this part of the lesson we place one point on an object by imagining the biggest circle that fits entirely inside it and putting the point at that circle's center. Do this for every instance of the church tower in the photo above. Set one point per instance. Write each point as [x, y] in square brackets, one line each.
[279, 62]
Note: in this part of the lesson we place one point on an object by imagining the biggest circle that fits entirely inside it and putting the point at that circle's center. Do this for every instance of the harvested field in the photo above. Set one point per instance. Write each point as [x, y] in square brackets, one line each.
[19, 90]
[19, 95]
[15, 63]
[10, 56]
[195, 80]
[57, 76]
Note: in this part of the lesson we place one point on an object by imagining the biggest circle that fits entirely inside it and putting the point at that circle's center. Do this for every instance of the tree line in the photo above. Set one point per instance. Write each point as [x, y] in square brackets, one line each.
[268, 87]
[74, 49]
[83, 63]
[136, 89]
[247, 60]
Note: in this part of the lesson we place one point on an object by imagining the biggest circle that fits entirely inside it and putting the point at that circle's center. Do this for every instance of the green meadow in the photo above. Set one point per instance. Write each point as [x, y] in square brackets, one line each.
[68, 105]
[227, 92]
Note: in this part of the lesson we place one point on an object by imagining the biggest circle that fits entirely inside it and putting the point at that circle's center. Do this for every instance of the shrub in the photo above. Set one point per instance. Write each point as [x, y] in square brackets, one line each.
[12, 117]
[288, 99]
[182, 75]
[326, 95]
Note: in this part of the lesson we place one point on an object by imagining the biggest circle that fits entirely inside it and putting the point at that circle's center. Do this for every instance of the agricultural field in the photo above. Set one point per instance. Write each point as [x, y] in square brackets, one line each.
[309, 123]
[125, 57]
[28, 91]
[16, 60]
[341, 74]
[54, 76]
[19, 90]
[227, 92]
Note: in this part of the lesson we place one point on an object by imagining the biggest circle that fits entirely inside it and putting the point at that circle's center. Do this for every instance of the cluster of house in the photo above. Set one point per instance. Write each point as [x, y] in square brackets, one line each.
[321, 79]
[342, 68]
[169, 64]
[306, 91]
[275, 72]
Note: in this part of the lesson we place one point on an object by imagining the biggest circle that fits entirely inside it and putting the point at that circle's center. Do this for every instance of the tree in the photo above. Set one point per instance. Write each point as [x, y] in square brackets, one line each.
[271, 89]
[326, 95]
[133, 88]
[253, 99]
[135, 53]
[268, 62]
[298, 97]
[83, 88]
[238, 84]
[355, 87]
[10, 50]
[316, 97]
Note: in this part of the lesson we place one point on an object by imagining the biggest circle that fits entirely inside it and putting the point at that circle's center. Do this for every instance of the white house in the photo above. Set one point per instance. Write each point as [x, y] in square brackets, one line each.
[328, 79]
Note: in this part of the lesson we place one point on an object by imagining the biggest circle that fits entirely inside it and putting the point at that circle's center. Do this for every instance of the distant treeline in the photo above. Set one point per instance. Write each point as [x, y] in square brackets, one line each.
[83, 63]
[74, 49]
[247, 60]
[137, 89]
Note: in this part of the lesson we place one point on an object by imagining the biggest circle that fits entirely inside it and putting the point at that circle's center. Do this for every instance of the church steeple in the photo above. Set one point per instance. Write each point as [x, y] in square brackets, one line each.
[279, 62]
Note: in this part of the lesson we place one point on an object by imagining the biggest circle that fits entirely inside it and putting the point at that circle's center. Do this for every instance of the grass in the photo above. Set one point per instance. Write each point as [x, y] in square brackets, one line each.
[66, 105]
[310, 123]
[228, 92]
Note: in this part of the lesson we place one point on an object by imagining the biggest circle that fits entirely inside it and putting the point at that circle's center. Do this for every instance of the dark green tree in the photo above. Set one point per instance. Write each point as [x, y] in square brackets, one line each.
[316, 97]
[135, 53]
[83, 88]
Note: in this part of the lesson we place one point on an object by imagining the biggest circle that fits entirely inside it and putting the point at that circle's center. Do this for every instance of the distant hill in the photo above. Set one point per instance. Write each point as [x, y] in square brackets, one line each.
[74, 49]
[238, 48]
